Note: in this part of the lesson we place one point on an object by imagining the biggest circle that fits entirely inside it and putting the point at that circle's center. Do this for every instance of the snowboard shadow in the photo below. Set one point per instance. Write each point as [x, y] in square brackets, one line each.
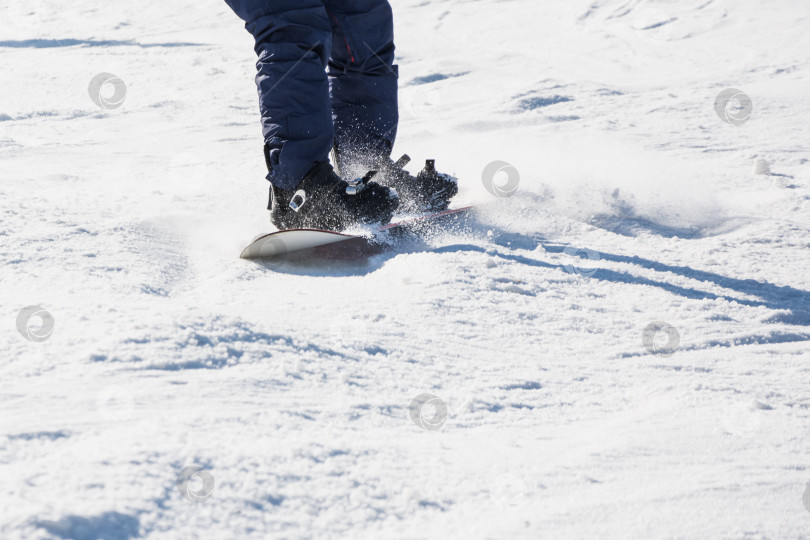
[53, 43]
[633, 226]
[351, 267]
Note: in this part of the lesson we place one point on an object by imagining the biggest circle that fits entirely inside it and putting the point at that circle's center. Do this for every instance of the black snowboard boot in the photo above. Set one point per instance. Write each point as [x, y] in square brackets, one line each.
[428, 191]
[324, 201]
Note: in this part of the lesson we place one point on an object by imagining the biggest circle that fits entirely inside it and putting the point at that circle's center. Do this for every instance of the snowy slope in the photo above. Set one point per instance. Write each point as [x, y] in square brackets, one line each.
[291, 386]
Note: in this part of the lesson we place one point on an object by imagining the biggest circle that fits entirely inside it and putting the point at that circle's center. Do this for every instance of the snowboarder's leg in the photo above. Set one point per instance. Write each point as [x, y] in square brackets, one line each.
[293, 38]
[293, 41]
[363, 86]
[363, 80]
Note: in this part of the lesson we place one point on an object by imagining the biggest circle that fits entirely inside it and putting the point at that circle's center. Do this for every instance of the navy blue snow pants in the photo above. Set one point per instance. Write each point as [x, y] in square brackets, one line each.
[326, 75]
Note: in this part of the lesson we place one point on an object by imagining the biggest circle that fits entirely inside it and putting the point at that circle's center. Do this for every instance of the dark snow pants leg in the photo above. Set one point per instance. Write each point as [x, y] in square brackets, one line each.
[293, 42]
[363, 77]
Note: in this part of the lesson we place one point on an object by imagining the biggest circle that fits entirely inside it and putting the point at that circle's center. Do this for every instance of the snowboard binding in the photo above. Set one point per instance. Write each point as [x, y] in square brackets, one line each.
[325, 201]
[428, 191]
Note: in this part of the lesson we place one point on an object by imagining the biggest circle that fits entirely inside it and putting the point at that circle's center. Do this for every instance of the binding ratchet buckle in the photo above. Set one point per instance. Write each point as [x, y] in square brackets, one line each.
[298, 200]
[359, 184]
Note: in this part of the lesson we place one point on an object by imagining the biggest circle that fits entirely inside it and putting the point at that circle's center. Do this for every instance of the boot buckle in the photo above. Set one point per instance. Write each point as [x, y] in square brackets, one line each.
[301, 196]
[357, 185]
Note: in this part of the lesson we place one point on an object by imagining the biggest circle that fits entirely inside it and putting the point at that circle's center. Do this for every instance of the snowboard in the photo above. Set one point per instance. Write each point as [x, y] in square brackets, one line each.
[313, 245]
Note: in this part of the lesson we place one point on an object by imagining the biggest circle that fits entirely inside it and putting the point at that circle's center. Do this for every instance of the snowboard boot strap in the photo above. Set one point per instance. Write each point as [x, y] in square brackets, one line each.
[357, 185]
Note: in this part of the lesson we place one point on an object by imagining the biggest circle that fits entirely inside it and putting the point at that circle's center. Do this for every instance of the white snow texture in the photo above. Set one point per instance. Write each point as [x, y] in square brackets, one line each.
[617, 349]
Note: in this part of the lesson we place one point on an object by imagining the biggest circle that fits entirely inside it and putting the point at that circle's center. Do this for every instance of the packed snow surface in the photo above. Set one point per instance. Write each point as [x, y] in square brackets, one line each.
[618, 349]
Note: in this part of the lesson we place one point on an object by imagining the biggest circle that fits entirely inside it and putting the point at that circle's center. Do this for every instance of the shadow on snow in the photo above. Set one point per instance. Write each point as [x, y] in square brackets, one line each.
[52, 43]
